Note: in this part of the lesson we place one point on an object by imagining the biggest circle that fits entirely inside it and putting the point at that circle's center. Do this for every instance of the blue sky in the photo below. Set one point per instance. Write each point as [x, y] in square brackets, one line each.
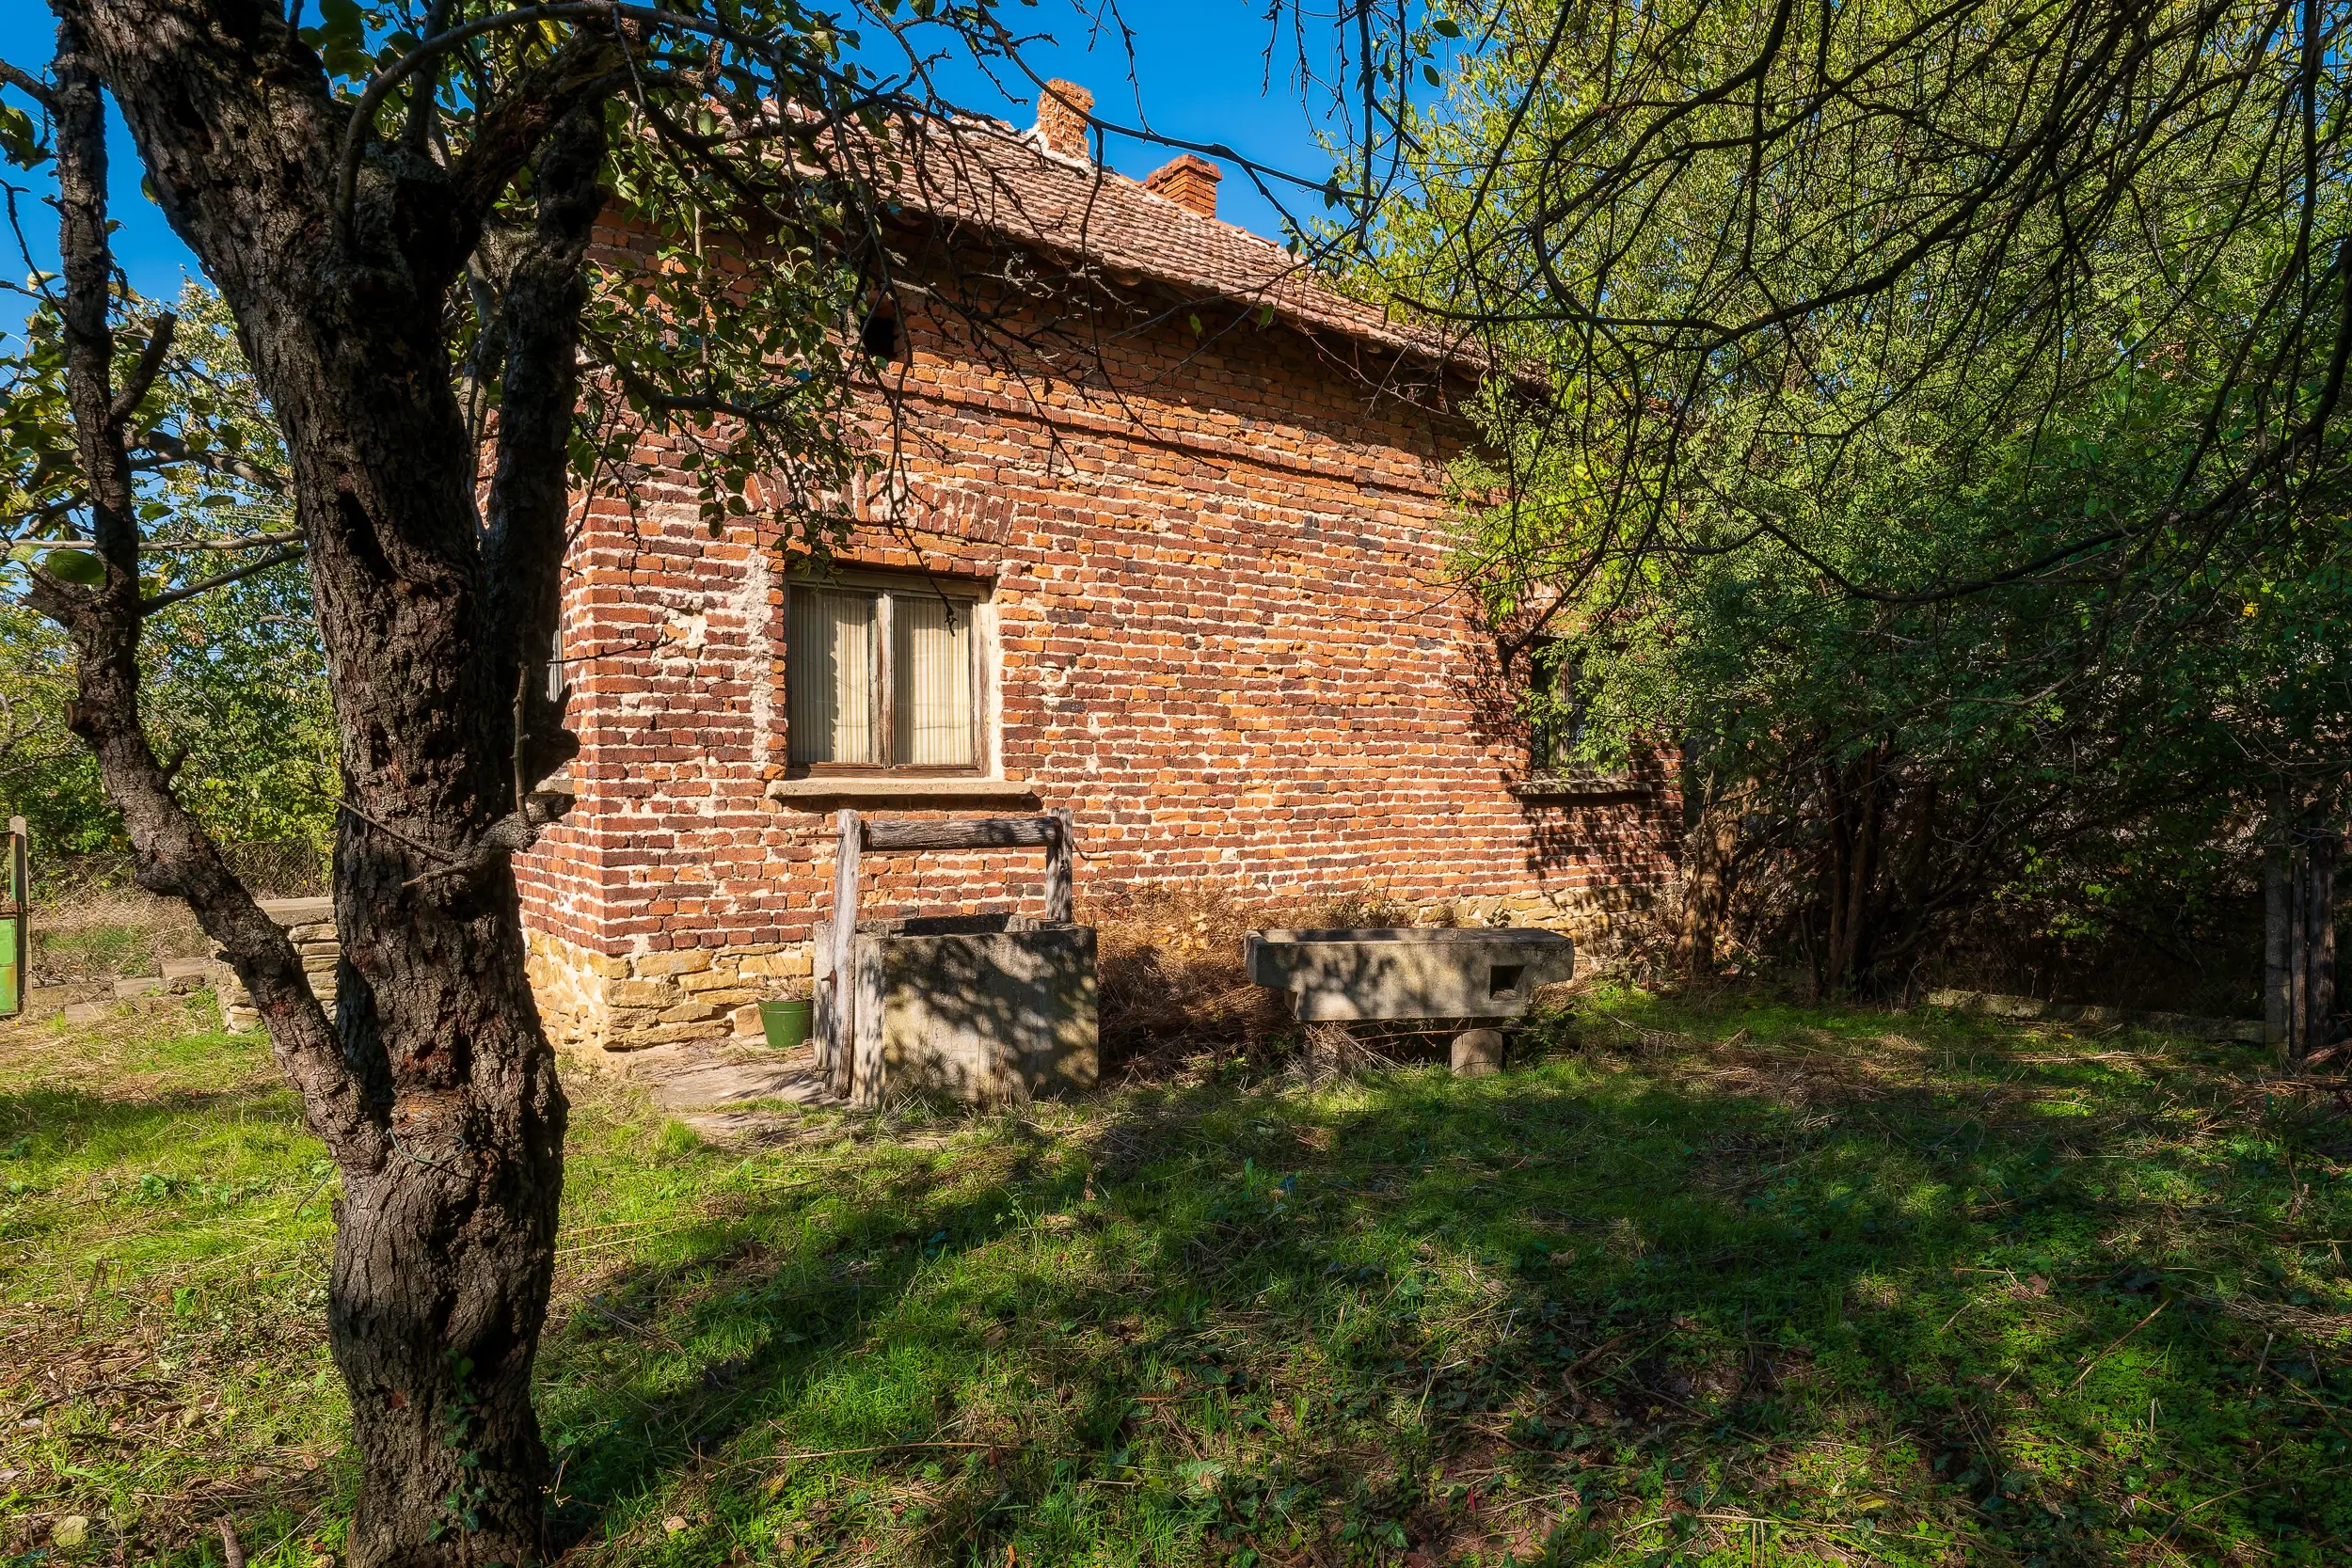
[1199, 75]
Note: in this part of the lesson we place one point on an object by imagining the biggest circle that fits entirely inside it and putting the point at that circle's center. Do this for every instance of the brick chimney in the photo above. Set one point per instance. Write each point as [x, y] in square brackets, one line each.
[1061, 119]
[1188, 181]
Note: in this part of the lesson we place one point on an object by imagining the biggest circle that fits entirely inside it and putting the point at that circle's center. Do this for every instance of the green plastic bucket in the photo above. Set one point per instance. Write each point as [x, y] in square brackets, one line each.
[785, 1023]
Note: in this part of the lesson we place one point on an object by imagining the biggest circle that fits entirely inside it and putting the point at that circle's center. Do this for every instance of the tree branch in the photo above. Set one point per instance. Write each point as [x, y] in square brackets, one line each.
[276, 557]
[380, 87]
[30, 86]
[169, 447]
[175, 855]
[170, 547]
[143, 374]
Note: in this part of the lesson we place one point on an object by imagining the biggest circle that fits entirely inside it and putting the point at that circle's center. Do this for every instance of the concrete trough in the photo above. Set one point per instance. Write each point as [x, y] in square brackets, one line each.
[1408, 972]
[980, 1009]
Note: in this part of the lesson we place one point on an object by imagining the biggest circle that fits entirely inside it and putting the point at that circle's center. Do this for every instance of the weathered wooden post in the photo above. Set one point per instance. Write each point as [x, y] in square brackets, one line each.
[16, 923]
[837, 1002]
[1060, 878]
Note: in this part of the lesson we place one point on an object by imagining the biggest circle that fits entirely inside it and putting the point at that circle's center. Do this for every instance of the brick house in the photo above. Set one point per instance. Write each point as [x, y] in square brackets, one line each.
[1187, 580]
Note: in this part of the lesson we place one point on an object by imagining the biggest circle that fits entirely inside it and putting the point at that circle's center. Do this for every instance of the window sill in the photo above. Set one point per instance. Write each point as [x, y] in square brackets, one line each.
[1580, 786]
[836, 786]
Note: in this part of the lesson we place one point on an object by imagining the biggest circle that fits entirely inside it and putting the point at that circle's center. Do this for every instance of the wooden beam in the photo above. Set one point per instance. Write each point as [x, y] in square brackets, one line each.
[987, 833]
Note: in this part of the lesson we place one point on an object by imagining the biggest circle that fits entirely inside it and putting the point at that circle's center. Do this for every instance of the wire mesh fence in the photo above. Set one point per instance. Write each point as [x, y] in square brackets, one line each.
[281, 868]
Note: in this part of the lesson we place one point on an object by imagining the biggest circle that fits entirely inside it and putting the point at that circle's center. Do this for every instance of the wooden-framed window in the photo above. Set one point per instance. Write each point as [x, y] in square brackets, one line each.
[886, 675]
[1563, 713]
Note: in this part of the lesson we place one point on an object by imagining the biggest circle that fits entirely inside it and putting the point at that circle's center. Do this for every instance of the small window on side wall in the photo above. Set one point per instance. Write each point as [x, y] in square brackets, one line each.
[884, 678]
[879, 335]
[1563, 710]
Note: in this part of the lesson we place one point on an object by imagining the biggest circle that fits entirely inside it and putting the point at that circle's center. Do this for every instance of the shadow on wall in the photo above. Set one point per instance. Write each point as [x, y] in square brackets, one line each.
[1619, 824]
[1484, 687]
[1611, 838]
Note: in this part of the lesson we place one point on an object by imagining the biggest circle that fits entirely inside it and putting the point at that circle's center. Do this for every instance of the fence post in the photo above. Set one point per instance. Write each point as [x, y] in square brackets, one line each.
[1058, 856]
[16, 939]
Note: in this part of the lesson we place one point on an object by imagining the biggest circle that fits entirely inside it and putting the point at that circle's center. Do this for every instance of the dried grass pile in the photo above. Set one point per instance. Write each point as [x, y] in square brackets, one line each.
[1173, 987]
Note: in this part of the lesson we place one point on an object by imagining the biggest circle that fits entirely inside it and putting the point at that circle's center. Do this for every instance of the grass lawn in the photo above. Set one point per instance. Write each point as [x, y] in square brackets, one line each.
[1707, 1281]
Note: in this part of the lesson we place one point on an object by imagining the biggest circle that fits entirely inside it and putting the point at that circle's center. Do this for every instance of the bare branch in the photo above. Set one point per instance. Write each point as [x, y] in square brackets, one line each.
[276, 557]
[169, 447]
[166, 546]
[143, 374]
[30, 86]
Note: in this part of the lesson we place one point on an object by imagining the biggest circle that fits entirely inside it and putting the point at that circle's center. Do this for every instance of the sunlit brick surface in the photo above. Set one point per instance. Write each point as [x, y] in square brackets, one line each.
[1226, 641]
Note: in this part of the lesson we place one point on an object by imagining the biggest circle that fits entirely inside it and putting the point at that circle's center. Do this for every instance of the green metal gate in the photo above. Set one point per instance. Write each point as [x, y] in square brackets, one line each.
[15, 923]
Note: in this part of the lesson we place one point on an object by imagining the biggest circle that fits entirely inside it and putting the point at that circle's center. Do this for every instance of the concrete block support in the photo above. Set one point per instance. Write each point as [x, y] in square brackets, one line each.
[1403, 972]
[1477, 1054]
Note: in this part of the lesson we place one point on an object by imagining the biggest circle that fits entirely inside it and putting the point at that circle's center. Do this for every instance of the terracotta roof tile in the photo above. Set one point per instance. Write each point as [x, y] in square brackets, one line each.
[1004, 180]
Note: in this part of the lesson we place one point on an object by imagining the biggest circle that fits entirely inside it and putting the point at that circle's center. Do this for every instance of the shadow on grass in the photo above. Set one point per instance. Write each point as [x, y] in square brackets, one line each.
[2044, 1303]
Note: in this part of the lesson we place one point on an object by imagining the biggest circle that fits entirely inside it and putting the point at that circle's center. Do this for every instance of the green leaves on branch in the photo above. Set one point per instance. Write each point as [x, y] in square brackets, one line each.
[75, 566]
[20, 140]
[234, 678]
[1902, 444]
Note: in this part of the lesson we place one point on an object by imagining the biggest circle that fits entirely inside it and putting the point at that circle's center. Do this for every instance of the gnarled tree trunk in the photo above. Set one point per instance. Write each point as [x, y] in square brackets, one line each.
[1710, 865]
[434, 1087]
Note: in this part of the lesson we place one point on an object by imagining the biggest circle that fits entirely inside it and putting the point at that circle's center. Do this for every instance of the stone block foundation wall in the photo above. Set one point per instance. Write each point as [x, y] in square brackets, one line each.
[310, 923]
[596, 1002]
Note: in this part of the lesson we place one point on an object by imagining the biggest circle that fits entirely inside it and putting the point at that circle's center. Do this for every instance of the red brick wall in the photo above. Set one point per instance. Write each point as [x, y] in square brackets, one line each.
[1226, 641]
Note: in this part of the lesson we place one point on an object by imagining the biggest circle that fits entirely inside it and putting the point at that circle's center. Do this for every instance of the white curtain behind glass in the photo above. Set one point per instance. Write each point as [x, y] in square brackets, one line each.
[829, 701]
[934, 675]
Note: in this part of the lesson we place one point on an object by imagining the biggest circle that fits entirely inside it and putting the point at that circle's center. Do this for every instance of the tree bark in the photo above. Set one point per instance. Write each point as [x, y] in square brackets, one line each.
[1856, 808]
[1710, 858]
[2320, 1032]
[2277, 978]
[2311, 973]
[437, 1089]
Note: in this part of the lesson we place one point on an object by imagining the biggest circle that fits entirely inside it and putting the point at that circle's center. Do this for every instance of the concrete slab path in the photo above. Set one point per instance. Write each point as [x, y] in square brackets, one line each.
[716, 1090]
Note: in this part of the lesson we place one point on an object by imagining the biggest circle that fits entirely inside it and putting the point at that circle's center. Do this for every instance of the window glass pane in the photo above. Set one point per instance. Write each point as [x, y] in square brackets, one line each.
[830, 676]
[931, 666]
[1562, 719]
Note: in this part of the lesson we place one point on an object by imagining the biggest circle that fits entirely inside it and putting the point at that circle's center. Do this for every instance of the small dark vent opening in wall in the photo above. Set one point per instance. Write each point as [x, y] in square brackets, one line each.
[879, 335]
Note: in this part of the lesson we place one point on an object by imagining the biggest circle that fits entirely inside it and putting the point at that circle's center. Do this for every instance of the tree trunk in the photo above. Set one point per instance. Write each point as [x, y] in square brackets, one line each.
[2320, 1018]
[443, 1259]
[2277, 976]
[434, 614]
[1709, 853]
[1855, 799]
[2310, 969]
[2302, 844]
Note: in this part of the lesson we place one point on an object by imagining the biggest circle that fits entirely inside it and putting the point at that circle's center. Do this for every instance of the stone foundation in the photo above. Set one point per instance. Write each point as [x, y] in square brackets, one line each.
[311, 925]
[600, 1001]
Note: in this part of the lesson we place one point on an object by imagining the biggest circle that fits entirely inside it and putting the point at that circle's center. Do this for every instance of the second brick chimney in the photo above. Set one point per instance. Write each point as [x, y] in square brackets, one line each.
[1061, 119]
[1188, 181]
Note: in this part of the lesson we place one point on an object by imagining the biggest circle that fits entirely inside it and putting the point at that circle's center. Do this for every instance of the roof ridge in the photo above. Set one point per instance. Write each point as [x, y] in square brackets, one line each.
[1011, 182]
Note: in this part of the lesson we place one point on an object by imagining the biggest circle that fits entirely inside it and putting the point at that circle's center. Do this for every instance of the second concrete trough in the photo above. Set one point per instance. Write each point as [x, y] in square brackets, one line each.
[1410, 972]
